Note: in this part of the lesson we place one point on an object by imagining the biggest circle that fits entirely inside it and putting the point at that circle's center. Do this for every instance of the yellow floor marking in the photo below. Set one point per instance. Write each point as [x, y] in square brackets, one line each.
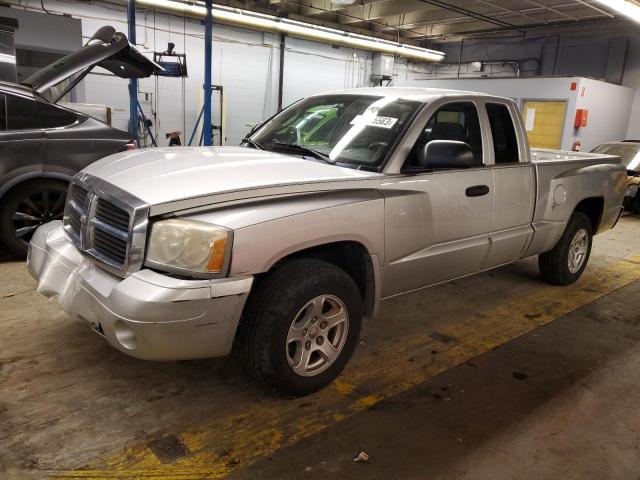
[262, 428]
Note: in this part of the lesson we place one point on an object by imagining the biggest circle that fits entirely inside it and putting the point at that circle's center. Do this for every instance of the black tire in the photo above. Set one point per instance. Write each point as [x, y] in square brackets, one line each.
[26, 207]
[630, 204]
[273, 308]
[554, 264]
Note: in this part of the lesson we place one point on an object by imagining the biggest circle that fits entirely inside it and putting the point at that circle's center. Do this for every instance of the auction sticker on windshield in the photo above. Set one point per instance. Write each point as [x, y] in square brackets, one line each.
[384, 122]
[377, 121]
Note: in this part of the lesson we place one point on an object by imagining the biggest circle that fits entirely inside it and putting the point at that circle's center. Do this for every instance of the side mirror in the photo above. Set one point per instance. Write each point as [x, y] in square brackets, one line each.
[446, 154]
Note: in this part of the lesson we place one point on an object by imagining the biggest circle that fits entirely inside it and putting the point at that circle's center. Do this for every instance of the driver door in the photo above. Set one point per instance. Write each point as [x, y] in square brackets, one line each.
[438, 222]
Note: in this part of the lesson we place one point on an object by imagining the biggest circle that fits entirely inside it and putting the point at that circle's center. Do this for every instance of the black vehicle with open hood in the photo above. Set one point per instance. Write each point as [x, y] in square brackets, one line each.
[42, 144]
[108, 49]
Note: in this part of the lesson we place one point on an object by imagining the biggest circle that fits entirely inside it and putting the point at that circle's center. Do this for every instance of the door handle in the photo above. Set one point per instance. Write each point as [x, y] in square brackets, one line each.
[477, 191]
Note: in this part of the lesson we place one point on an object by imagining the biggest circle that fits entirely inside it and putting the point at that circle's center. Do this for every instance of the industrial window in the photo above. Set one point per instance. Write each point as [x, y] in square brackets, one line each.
[505, 142]
[26, 114]
[3, 113]
[454, 121]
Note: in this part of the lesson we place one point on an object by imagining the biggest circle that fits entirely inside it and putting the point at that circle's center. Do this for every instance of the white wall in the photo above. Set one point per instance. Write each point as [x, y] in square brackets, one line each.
[241, 64]
[632, 79]
[34, 31]
[609, 105]
[312, 67]
[609, 109]
[633, 132]
[245, 63]
[602, 52]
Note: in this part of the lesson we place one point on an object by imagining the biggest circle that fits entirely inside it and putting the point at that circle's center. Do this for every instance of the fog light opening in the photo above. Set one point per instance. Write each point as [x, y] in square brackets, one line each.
[125, 335]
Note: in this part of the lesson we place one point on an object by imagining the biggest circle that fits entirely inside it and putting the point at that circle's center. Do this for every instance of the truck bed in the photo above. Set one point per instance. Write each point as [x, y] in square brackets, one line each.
[543, 155]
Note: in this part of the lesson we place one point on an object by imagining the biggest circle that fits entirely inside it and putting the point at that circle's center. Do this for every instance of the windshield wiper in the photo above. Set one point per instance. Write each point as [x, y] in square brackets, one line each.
[305, 150]
[253, 143]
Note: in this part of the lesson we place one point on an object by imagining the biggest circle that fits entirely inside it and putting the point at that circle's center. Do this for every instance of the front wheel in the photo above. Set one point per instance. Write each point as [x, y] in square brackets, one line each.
[565, 263]
[301, 327]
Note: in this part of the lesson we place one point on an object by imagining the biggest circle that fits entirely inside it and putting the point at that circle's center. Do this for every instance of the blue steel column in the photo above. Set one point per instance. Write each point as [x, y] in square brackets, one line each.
[208, 38]
[133, 83]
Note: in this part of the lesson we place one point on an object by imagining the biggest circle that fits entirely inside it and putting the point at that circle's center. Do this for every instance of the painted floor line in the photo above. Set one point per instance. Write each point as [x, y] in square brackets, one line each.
[259, 430]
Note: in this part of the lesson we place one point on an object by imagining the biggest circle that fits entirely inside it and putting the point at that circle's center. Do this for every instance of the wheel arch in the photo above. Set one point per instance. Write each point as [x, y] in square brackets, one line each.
[22, 178]
[351, 256]
[593, 208]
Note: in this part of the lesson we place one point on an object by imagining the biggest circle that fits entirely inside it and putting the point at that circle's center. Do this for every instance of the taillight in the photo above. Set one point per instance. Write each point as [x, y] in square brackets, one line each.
[131, 145]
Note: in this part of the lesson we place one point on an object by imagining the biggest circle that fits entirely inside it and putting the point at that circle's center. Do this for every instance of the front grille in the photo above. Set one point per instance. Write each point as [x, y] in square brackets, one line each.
[106, 223]
[112, 215]
[110, 231]
[76, 208]
[110, 246]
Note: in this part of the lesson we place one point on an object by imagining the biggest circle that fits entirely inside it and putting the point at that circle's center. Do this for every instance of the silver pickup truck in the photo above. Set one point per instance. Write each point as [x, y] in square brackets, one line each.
[282, 245]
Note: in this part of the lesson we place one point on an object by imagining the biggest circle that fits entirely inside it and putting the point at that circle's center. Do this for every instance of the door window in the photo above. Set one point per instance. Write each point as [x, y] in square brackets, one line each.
[454, 121]
[26, 114]
[505, 142]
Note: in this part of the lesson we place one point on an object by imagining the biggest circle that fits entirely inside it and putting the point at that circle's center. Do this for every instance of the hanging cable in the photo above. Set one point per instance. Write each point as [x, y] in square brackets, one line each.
[44, 9]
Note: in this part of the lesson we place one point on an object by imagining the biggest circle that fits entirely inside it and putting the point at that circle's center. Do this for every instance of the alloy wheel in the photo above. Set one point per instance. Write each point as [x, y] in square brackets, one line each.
[317, 335]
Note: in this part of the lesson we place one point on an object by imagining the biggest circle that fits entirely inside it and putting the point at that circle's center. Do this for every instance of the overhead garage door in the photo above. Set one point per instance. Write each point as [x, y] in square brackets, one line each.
[543, 121]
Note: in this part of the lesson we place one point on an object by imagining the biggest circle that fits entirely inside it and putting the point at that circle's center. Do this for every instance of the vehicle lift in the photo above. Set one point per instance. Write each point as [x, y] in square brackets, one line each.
[134, 105]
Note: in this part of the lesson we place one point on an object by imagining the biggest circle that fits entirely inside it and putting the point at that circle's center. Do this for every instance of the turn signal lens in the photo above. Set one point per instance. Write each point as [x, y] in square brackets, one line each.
[218, 251]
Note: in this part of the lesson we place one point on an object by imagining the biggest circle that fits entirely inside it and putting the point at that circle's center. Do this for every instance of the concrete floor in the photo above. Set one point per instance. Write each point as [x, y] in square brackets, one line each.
[495, 376]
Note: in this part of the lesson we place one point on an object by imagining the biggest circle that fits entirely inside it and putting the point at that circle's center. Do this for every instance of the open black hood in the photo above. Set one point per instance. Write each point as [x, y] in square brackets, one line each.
[107, 49]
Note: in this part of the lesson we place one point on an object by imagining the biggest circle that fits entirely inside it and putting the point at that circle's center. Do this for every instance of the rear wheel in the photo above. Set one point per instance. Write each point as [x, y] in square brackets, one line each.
[565, 263]
[28, 206]
[301, 327]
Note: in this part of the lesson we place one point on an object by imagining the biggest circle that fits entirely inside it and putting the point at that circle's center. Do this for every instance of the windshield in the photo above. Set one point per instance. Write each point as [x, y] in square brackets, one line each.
[356, 130]
[629, 153]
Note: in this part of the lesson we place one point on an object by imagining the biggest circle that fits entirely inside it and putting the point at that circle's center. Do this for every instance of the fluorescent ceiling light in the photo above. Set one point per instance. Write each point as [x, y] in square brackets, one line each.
[628, 8]
[259, 21]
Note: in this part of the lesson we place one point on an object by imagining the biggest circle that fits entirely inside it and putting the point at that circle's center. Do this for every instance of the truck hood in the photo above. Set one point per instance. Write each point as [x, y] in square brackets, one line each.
[176, 178]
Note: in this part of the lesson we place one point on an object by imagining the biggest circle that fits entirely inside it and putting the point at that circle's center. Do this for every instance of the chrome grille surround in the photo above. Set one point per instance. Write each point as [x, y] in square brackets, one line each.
[106, 223]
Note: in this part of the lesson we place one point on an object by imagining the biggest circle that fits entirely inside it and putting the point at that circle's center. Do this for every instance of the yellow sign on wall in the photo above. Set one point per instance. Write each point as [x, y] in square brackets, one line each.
[543, 122]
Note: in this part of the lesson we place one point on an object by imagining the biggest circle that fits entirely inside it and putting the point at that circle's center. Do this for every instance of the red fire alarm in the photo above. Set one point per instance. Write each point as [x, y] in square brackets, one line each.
[574, 85]
[581, 118]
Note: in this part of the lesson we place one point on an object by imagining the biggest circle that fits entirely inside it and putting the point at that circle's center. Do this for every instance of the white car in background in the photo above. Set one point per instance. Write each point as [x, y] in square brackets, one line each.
[629, 153]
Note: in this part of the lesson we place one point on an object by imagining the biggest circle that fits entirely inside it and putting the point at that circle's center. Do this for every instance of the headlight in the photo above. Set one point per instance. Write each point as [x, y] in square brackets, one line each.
[189, 246]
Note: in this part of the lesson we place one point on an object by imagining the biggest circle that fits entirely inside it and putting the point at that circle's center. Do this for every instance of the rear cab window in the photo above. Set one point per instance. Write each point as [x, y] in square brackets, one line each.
[503, 133]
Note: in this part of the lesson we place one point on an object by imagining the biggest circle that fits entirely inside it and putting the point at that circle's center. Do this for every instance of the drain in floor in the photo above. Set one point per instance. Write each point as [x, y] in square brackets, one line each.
[169, 448]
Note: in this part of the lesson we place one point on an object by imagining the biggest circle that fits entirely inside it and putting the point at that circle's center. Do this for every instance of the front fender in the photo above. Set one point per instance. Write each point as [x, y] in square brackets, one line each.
[267, 231]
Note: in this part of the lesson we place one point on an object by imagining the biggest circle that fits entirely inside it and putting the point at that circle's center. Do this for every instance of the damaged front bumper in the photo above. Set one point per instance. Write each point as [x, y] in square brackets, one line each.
[146, 315]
